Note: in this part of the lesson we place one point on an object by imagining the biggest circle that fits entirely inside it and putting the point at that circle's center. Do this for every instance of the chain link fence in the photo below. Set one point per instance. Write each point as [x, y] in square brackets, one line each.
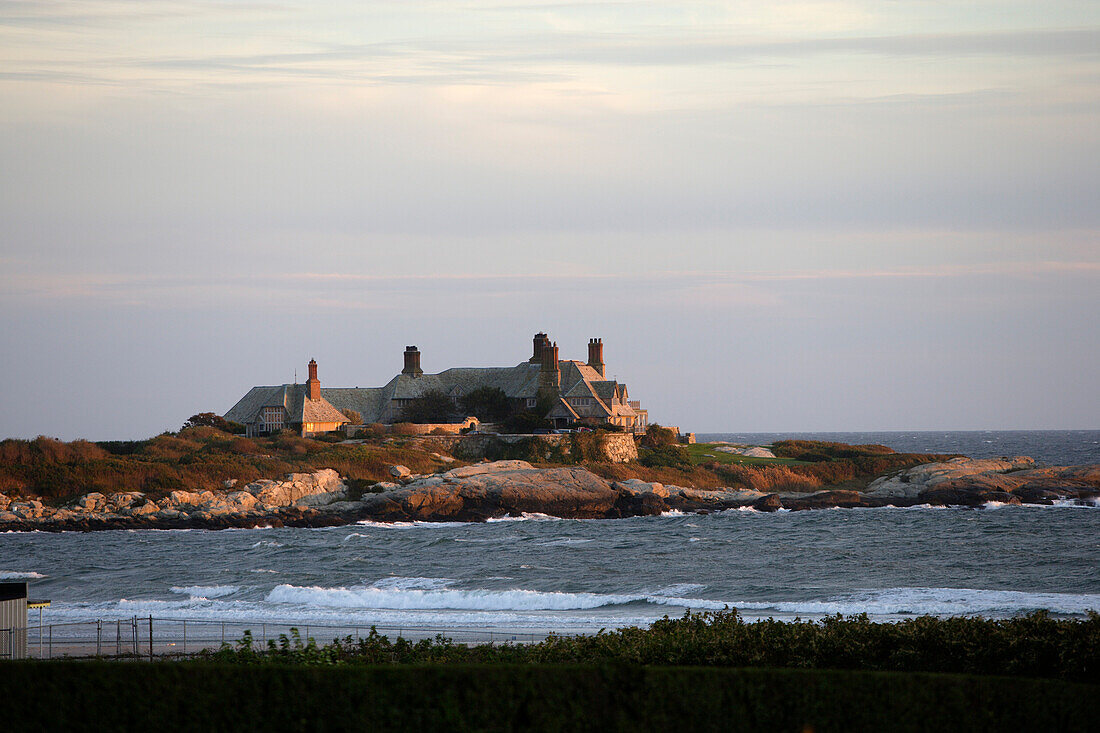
[158, 637]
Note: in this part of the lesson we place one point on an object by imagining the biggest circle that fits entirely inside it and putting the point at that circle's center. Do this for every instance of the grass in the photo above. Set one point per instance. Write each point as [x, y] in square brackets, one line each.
[701, 453]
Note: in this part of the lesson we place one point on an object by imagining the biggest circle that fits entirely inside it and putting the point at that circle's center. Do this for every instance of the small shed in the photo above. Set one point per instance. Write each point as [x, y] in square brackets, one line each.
[13, 620]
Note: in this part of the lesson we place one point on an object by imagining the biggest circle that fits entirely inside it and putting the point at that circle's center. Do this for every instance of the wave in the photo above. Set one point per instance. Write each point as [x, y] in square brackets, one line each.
[888, 602]
[527, 517]
[199, 592]
[407, 525]
[266, 543]
[422, 594]
[933, 602]
[17, 575]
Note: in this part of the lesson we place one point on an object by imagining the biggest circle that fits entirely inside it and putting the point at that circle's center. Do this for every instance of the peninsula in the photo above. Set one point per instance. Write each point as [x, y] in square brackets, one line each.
[202, 477]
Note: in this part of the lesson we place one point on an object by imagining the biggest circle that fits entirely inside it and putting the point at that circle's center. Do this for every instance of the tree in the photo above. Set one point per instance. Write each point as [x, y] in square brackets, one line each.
[431, 407]
[213, 420]
[488, 404]
[353, 417]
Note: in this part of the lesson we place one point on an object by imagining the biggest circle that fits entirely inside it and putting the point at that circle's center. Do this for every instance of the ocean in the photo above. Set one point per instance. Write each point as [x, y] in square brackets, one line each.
[540, 574]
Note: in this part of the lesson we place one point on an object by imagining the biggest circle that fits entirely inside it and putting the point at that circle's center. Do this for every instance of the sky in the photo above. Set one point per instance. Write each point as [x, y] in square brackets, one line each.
[779, 216]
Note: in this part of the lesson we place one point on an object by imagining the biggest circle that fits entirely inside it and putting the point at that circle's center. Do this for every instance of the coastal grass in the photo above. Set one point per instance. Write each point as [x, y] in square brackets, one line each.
[210, 696]
[195, 459]
[701, 453]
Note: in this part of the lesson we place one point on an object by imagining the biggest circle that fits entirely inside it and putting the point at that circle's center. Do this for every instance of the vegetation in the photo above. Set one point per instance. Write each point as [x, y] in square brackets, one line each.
[213, 420]
[499, 697]
[658, 437]
[202, 458]
[487, 404]
[1028, 646]
[195, 459]
[669, 456]
[433, 406]
[354, 418]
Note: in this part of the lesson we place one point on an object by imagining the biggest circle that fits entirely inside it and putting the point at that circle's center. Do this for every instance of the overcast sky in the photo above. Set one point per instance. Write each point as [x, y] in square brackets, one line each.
[835, 215]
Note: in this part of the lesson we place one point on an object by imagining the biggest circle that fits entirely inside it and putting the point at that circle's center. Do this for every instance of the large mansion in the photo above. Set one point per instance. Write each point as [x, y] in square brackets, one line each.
[577, 392]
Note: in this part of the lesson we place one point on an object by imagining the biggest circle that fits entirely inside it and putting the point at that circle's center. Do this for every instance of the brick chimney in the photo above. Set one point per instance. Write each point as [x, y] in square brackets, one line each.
[549, 372]
[540, 343]
[595, 355]
[412, 362]
[314, 383]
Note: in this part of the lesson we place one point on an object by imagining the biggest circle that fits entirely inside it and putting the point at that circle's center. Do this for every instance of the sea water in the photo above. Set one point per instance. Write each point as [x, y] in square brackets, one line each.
[542, 573]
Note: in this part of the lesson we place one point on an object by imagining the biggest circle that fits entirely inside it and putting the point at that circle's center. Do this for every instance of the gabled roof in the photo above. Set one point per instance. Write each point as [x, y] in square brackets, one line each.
[291, 397]
[563, 409]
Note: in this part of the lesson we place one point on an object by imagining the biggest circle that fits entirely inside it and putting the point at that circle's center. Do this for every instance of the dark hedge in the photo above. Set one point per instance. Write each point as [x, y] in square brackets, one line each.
[204, 696]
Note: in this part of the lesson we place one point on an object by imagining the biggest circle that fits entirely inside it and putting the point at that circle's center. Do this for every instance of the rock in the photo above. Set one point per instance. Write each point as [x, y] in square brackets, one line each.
[486, 468]
[501, 489]
[912, 482]
[442, 458]
[4, 502]
[184, 498]
[828, 500]
[295, 486]
[750, 452]
[229, 483]
[767, 503]
[26, 509]
[400, 472]
[241, 499]
[91, 502]
[144, 510]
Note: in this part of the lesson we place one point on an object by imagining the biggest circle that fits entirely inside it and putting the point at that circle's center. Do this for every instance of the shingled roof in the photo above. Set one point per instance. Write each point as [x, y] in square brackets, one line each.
[294, 398]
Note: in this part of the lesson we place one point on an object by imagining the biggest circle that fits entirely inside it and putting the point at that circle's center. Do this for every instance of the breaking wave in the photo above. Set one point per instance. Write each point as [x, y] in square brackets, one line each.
[206, 591]
[17, 575]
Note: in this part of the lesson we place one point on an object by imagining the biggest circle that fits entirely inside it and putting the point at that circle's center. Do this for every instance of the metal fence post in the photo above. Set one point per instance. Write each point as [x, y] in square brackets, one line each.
[118, 637]
[98, 637]
[134, 635]
[150, 637]
[185, 636]
[51, 641]
[223, 633]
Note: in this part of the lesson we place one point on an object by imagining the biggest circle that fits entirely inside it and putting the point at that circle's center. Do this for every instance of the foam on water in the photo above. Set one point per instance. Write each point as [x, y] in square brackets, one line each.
[206, 592]
[18, 575]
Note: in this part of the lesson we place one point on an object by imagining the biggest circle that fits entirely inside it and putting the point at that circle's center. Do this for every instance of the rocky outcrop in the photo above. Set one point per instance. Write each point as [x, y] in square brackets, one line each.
[972, 482]
[511, 488]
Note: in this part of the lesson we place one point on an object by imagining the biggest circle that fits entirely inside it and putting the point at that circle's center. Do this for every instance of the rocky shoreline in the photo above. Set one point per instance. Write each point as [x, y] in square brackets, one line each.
[487, 490]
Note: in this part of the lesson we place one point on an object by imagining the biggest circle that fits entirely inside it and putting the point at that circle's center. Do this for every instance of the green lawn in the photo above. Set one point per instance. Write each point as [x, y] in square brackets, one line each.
[707, 452]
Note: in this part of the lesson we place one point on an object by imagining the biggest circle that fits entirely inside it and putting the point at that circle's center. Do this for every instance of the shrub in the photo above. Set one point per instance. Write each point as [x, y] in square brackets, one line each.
[440, 431]
[433, 406]
[668, 456]
[487, 404]
[373, 430]
[353, 417]
[658, 437]
[525, 422]
[404, 428]
[213, 420]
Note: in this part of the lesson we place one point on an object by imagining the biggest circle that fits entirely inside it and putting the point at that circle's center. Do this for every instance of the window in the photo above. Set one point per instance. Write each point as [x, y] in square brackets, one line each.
[531, 402]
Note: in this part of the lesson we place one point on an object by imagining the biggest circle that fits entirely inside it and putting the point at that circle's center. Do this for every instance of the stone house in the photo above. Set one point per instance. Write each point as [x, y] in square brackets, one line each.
[578, 392]
[298, 407]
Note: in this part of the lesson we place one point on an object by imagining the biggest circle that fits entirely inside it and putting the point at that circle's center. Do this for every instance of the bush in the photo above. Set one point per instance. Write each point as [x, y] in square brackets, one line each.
[213, 420]
[525, 422]
[669, 456]
[354, 418]
[431, 407]
[658, 437]
[487, 404]
[373, 430]
[405, 429]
